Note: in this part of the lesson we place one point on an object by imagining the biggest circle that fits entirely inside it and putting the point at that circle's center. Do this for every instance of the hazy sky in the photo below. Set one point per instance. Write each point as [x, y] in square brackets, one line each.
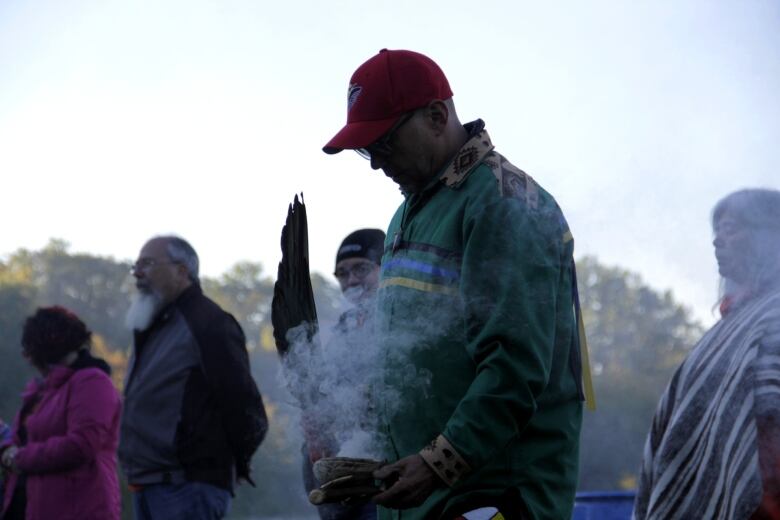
[124, 119]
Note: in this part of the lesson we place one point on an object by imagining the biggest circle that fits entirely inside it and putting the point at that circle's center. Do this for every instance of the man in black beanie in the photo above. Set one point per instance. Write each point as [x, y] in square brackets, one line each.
[357, 264]
[357, 271]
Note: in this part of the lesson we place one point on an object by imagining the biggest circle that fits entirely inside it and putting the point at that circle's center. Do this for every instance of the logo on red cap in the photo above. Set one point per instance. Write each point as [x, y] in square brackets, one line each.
[353, 94]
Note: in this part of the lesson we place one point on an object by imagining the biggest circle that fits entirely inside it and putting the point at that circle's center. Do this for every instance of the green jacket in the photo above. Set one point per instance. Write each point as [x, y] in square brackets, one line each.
[479, 339]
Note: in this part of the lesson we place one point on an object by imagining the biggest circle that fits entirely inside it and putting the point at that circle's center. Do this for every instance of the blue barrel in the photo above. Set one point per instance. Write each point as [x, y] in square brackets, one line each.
[604, 505]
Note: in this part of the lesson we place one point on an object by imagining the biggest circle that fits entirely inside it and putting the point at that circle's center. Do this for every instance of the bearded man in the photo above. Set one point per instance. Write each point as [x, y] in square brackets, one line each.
[193, 415]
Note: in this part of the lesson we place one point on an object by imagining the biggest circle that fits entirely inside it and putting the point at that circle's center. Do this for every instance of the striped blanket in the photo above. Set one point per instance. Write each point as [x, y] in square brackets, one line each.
[701, 456]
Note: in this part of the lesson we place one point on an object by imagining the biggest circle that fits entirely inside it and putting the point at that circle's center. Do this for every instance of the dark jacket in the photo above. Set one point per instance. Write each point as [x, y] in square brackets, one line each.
[192, 409]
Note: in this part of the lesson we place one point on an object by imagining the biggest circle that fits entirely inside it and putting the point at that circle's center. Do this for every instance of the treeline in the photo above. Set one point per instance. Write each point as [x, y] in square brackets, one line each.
[637, 336]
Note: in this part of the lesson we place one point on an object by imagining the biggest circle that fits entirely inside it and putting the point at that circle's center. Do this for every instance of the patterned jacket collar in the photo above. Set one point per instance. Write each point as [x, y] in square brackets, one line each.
[470, 155]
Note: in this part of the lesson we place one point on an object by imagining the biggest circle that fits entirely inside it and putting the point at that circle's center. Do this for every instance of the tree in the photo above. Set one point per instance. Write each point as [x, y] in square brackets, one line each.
[97, 289]
[16, 302]
[637, 338]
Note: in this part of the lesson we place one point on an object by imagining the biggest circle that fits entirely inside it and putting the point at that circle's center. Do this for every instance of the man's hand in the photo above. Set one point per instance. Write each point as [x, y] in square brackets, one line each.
[410, 482]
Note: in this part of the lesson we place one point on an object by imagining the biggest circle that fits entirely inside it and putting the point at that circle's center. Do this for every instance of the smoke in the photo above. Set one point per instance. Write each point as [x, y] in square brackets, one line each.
[332, 375]
[339, 379]
[357, 294]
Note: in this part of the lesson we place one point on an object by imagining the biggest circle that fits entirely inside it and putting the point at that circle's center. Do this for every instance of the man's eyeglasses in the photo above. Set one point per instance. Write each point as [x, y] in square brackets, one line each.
[145, 264]
[360, 271]
[381, 147]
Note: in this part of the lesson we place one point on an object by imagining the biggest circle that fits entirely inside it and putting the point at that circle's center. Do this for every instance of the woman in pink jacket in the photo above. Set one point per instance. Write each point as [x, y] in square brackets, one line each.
[62, 456]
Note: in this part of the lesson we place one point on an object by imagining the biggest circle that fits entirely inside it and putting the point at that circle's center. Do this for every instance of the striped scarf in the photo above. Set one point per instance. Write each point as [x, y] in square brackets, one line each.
[701, 455]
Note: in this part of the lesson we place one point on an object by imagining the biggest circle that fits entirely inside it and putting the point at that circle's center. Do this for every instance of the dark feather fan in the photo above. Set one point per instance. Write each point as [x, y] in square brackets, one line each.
[293, 301]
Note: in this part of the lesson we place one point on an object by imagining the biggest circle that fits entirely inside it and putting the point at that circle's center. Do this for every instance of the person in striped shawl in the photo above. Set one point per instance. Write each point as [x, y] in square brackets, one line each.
[714, 447]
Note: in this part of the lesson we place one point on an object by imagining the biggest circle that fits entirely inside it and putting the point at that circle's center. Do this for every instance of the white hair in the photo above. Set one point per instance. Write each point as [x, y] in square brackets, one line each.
[180, 251]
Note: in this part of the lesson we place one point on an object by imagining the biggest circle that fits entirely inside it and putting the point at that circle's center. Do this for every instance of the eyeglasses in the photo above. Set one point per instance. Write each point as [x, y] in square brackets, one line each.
[381, 146]
[145, 264]
[360, 271]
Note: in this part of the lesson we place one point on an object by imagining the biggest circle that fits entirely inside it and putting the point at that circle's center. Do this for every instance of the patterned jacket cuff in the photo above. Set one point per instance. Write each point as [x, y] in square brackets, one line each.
[445, 461]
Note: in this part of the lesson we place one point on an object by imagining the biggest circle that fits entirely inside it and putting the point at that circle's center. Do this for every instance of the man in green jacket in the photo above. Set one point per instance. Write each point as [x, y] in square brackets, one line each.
[480, 400]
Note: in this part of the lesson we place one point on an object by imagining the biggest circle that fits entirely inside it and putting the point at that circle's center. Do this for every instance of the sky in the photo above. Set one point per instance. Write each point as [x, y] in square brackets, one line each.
[120, 120]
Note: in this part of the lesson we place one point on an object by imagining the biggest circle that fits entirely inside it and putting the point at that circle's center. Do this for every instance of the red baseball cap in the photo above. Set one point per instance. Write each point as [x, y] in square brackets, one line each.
[381, 90]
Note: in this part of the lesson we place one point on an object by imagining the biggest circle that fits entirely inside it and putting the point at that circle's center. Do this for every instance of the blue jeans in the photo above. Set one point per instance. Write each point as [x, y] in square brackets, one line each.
[187, 501]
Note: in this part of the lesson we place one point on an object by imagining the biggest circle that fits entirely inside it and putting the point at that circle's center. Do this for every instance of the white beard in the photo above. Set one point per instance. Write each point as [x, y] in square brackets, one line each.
[142, 311]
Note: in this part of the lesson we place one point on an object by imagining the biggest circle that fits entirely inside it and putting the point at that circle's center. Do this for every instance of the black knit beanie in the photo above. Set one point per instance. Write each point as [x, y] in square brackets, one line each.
[363, 243]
